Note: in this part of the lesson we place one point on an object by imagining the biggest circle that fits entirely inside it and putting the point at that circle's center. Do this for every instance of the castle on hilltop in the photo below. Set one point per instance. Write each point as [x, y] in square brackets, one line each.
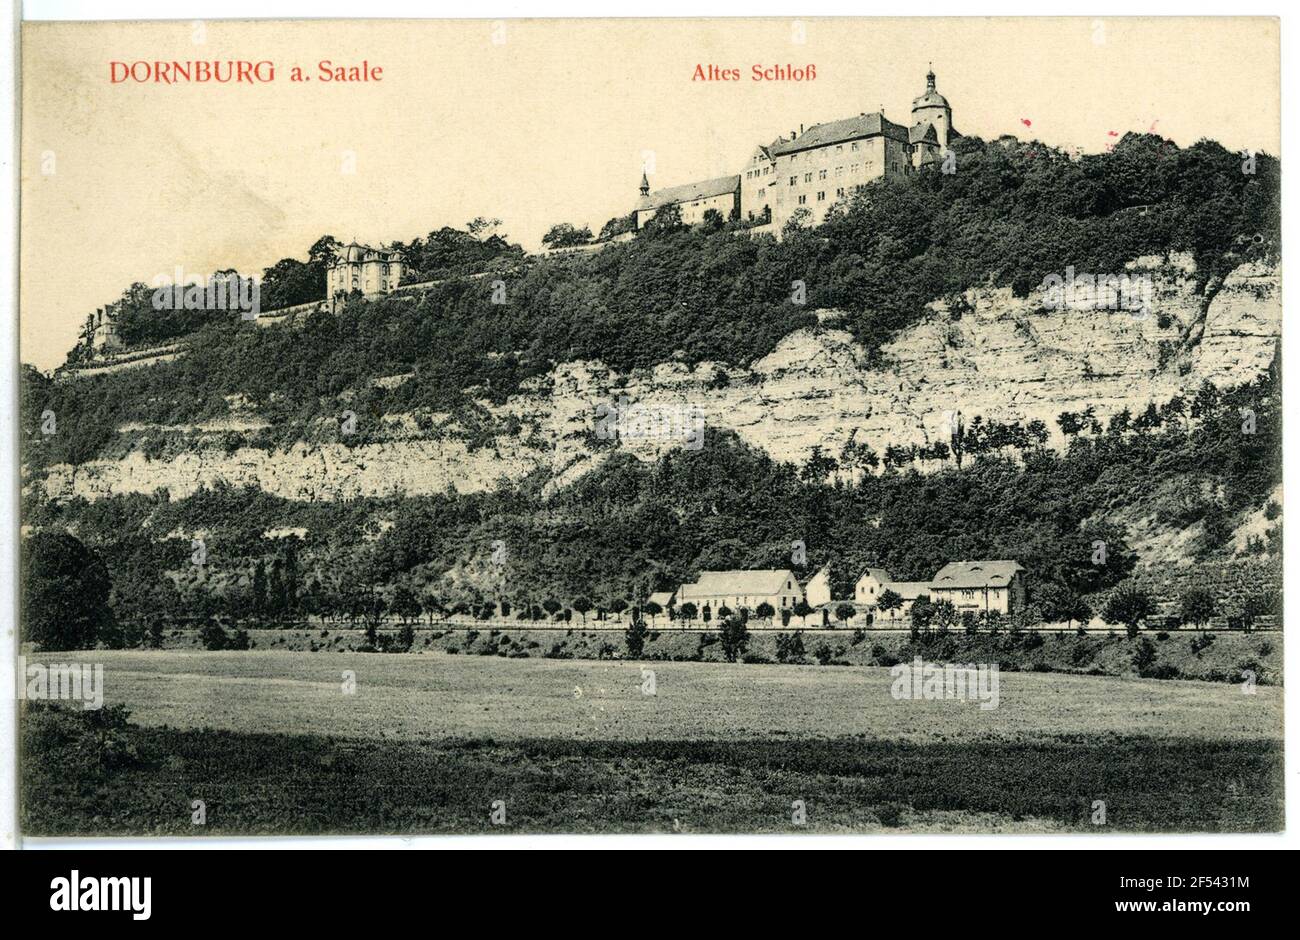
[813, 168]
[101, 327]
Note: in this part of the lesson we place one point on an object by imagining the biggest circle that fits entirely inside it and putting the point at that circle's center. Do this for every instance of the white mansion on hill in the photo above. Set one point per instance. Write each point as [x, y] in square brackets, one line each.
[978, 586]
[813, 168]
[372, 271]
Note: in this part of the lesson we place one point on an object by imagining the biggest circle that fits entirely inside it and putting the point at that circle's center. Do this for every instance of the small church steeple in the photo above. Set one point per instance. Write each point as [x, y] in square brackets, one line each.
[929, 78]
[645, 184]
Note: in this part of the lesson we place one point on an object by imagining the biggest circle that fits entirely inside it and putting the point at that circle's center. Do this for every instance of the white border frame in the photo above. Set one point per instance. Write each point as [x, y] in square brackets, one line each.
[487, 9]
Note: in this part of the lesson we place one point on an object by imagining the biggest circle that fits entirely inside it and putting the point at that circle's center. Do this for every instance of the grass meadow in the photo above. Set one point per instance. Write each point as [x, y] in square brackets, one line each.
[283, 743]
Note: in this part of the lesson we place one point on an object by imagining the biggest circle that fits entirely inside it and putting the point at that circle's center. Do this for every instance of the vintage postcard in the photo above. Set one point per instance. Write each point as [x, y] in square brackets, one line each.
[650, 426]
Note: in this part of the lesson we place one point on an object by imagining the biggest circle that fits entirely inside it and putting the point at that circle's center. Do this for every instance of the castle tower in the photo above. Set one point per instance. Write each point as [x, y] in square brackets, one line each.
[104, 337]
[933, 108]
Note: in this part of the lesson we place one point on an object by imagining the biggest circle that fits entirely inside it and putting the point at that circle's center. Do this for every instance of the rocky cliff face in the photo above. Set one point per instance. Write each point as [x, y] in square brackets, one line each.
[1002, 357]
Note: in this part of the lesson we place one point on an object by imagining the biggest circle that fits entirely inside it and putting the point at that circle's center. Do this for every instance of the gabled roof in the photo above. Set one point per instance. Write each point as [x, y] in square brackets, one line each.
[976, 574]
[824, 572]
[880, 574]
[722, 583]
[662, 598]
[874, 124]
[922, 130]
[688, 192]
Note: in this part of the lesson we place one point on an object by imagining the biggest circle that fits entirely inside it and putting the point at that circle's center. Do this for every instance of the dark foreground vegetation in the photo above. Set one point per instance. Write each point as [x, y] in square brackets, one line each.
[96, 773]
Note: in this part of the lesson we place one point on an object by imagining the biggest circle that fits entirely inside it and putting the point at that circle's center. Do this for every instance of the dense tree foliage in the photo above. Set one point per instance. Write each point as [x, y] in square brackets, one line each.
[1010, 215]
[629, 528]
[65, 593]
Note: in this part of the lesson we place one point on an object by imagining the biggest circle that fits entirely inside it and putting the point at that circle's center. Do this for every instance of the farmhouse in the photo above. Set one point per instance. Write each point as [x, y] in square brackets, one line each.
[969, 585]
[875, 581]
[736, 589]
[981, 586]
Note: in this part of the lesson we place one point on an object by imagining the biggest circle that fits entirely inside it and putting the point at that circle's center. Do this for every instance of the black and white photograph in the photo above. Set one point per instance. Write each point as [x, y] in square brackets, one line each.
[647, 426]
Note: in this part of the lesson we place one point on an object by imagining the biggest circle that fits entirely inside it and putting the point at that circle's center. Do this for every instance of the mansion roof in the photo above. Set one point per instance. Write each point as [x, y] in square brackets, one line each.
[976, 574]
[356, 253]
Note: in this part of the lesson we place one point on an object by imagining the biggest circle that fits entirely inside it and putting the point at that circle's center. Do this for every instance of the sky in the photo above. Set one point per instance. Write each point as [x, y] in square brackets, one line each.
[531, 121]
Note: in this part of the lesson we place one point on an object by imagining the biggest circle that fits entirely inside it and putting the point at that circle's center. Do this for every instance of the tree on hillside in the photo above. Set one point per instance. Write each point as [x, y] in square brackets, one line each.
[945, 615]
[65, 591]
[1069, 423]
[1062, 605]
[845, 612]
[618, 225]
[922, 614]
[666, 220]
[260, 605]
[801, 610]
[800, 220]
[688, 611]
[565, 235]
[1128, 605]
[765, 611]
[652, 609]
[889, 601]
[818, 466]
[634, 637]
[405, 604]
[482, 228]
[1198, 606]
[733, 638]
[583, 606]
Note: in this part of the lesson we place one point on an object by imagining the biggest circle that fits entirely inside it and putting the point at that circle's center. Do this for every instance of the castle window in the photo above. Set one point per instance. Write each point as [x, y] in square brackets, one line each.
[793, 180]
[807, 177]
[853, 146]
[821, 175]
[802, 198]
[839, 171]
[821, 196]
[840, 191]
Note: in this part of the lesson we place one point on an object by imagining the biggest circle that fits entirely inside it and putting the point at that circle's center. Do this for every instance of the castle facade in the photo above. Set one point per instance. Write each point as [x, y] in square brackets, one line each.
[812, 169]
[102, 326]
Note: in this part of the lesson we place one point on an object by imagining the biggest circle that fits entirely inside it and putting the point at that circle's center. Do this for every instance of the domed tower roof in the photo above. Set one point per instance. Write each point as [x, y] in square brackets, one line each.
[931, 98]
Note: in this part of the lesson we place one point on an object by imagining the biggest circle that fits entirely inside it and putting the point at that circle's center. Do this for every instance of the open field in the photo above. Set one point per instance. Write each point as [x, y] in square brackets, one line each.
[428, 742]
[1225, 657]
